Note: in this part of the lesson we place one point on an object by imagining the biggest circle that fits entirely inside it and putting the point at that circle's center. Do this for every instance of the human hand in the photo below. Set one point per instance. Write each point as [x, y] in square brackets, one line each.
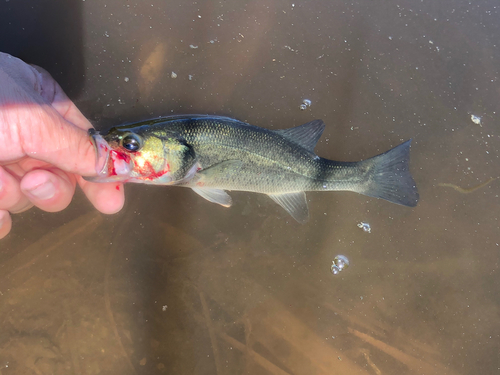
[45, 148]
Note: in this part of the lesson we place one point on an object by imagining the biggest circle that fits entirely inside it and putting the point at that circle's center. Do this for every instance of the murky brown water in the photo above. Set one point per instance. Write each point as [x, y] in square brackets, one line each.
[176, 285]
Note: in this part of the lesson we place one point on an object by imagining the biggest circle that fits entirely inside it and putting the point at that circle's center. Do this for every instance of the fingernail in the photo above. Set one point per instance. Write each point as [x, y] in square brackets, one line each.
[44, 191]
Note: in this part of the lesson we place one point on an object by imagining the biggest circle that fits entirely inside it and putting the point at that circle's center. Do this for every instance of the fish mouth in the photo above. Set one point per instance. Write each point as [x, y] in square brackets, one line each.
[101, 149]
[109, 166]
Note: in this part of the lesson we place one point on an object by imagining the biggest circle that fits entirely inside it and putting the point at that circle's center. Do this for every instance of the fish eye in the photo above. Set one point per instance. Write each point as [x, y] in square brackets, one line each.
[131, 143]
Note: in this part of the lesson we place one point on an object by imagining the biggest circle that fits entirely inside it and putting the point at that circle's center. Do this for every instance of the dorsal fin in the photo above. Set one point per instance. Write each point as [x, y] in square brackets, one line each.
[306, 135]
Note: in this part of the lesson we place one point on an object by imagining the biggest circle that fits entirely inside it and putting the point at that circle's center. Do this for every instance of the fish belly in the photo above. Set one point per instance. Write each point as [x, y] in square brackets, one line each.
[264, 180]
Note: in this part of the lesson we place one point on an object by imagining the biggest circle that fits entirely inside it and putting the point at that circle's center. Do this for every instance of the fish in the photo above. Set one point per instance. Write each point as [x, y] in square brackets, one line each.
[213, 154]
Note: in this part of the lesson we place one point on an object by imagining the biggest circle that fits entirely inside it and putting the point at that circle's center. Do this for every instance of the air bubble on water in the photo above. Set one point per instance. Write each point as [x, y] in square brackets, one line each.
[126, 79]
[341, 262]
[335, 269]
[305, 103]
[173, 75]
[365, 226]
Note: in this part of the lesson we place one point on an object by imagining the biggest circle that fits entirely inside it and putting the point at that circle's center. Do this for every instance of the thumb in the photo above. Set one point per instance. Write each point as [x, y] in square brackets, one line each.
[58, 142]
[39, 121]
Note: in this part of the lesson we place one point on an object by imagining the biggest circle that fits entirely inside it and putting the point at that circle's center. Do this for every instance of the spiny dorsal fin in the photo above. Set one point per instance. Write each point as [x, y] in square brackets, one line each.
[306, 135]
[294, 203]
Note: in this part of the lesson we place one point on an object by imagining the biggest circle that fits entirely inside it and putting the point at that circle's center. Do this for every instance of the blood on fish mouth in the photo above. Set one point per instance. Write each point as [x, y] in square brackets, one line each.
[109, 163]
[120, 164]
[114, 165]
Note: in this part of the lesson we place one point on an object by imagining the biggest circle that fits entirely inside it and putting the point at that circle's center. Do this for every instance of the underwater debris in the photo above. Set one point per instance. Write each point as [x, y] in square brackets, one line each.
[365, 226]
[462, 190]
[475, 119]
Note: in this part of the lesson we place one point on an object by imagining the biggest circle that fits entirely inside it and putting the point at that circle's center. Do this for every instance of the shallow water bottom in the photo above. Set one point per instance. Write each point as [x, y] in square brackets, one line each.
[84, 299]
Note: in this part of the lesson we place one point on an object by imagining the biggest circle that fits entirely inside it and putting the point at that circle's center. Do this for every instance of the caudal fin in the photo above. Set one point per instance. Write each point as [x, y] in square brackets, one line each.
[389, 177]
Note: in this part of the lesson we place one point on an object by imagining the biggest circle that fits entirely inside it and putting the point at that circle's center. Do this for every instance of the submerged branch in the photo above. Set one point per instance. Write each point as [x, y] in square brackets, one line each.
[462, 190]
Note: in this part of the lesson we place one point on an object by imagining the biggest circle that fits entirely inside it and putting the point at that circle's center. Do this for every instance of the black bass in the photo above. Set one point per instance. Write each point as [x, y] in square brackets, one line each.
[211, 154]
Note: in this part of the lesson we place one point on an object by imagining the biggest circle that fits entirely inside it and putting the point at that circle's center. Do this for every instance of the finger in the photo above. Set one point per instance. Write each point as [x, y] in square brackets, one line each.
[55, 95]
[49, 190]
[38, 129]
[59, 143]
[108, 198]
[5, 223]
[11, 197]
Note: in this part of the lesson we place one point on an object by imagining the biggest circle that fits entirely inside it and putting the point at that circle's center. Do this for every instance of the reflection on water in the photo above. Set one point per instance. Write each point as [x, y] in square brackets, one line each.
[176, 285]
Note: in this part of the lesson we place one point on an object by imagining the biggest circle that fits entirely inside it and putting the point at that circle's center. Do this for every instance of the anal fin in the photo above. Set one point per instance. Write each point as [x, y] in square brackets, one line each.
[294, 203]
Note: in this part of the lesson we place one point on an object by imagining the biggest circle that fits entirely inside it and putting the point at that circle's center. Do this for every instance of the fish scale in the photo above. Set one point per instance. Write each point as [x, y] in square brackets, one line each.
[286, 167]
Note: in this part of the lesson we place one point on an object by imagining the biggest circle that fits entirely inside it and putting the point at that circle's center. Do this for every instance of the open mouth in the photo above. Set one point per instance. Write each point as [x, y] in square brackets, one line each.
[111, 166]
[101, 151]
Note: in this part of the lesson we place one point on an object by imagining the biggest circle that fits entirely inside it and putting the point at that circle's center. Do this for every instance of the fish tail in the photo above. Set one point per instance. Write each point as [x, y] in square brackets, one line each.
[388, 177]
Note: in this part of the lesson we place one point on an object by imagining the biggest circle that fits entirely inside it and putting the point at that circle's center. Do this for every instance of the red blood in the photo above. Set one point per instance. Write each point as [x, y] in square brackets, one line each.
[148, 172]
[118, 187]
[116, 155]
[120, 155]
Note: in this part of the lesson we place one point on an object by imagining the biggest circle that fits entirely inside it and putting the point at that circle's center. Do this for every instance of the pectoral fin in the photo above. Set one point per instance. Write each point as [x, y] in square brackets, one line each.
[221, 171]
[294, 203]
[215, 196]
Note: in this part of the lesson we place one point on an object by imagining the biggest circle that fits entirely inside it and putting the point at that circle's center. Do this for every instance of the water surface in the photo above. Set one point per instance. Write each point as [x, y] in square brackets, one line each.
[176, 285]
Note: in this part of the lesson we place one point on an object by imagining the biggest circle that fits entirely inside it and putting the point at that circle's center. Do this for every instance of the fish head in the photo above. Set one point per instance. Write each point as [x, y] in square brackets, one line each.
[141, 155]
